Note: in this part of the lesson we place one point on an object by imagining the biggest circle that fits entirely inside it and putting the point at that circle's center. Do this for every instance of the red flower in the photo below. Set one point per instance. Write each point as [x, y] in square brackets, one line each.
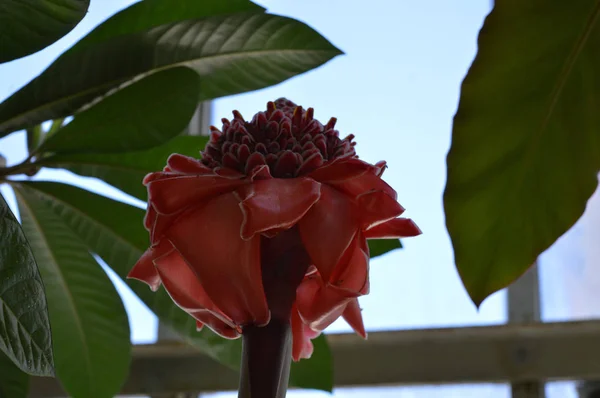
[279, 183]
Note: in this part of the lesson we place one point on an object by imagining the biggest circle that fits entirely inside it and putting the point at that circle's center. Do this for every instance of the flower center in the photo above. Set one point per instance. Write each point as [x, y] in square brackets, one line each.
[286, 137]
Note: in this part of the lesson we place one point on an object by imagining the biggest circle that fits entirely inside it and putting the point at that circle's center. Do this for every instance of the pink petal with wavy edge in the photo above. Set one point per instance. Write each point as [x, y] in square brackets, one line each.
[377, 207]
[328, 229]
[144, 269]
[174, 194]
[302, 346]
[186, 291]
[353, 177]
[187, 165]
[276, 204]
[228, 268]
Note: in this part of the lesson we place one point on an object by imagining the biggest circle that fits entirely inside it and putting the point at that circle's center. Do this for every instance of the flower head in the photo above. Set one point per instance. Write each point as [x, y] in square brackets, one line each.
[272, 221]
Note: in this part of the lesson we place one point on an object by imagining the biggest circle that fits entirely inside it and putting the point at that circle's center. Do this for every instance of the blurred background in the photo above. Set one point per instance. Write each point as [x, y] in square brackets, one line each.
[396, 88]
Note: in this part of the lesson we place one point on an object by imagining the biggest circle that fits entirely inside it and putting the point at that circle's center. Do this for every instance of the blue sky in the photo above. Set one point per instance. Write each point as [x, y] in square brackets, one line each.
[396, 89]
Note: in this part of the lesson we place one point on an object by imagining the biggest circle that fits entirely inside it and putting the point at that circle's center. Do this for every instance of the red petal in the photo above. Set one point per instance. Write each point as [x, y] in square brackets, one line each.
[186, 291]
[328, 228]
[161, 224]
[302, 346]
[144, 269]
[377, 207]
[150, 217]
[276, 204]
[187, 165]
[352, 272]
[341, 169]
[229, 268]
[171, 195]
[396, 228]
[353, 177]
[353, 316]
[226, 172]
[320, 305]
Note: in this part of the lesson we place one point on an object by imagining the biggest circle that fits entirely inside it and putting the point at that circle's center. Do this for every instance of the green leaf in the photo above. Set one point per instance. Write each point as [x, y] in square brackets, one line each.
[140, 116]
[232, 54]
[120, 240]
[27, 26]
[34, 135]
[14, 383]
[24, 325]
[127, 170]
[525, 144]
[148, 14]
[89, 324]
[378, 247]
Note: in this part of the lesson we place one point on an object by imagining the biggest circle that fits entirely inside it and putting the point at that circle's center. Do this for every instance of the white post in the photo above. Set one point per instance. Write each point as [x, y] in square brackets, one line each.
[524, 307]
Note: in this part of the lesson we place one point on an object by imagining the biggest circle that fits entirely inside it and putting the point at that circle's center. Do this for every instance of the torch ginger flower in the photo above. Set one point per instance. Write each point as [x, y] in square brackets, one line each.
[220, 227]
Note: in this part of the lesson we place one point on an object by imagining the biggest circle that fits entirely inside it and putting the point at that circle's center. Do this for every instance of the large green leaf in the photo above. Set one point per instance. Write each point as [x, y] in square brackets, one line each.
[127, 170]
[14, 383]
[144, 114]
[24, 325]
[378, 247]
[27, 26]
[149, 14]
[526, 139]
[232, 54]
[120, 240]
[89, 324]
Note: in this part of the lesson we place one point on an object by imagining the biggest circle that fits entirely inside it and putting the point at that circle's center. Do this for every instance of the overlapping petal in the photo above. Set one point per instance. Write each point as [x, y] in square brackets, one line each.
[377, 207]
[173, 194]
[353, 177]
[186, 291]
[144, 270]
[276, 204]
[302, 346]
[394, 229]
[187, 165]
[319, 304]
[352, 272]
[227, 266]
[328, 229]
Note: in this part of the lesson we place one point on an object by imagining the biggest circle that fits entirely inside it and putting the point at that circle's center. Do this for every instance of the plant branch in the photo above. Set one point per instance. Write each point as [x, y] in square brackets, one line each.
[26, 166]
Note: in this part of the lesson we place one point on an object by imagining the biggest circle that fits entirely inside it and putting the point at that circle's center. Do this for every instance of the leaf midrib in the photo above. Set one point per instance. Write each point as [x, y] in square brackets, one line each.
[69, 295]
[112, 83]
[553, 100]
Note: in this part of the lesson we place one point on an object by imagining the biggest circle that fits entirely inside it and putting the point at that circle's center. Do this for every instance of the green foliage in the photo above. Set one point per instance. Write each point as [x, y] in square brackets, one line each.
[14, 383]
[24, 325]
[148, 14]
[378, 247]
[140, 116]
[27, 26]
[90, 329]
[525, 146]
[230, 54]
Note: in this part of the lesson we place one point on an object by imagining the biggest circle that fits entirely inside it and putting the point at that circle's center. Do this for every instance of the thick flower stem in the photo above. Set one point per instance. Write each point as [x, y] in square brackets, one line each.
[266, 359]
[267, 350]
